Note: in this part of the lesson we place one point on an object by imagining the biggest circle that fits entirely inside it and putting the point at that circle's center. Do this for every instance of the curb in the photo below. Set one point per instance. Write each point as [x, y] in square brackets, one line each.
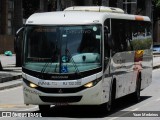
[156, 67]
[7, 79]
[11, 84]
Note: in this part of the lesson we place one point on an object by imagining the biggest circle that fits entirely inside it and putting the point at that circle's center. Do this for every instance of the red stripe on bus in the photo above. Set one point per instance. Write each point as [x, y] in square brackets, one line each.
[140, 18]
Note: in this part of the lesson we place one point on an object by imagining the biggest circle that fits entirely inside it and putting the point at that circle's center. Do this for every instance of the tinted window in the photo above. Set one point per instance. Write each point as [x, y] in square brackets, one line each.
[130, 35]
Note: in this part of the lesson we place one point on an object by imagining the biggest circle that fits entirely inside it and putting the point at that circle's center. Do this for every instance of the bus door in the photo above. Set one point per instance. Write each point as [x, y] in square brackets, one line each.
[122, 61]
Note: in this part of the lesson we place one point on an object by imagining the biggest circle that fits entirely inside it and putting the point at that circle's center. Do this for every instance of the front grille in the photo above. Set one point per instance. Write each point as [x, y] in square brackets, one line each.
[68, 99]
[60, 90]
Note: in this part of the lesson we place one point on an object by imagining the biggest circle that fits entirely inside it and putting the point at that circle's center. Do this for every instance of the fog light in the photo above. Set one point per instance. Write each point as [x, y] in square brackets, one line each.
[32, 85]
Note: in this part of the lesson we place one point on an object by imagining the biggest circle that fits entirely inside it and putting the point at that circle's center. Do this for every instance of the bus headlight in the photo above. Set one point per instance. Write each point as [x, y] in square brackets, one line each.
[32, 85]
[93, 83]
[88, 85]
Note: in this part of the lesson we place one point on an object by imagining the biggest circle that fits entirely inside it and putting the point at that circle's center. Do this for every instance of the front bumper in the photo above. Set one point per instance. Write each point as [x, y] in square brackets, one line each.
[88, 96]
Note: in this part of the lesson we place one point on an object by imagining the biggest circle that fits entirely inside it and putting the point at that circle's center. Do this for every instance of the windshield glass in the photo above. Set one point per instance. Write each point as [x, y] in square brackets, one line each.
[62, 49]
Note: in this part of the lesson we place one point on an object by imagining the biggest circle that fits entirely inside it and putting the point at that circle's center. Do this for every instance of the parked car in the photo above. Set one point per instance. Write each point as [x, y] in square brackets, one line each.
[156, 49]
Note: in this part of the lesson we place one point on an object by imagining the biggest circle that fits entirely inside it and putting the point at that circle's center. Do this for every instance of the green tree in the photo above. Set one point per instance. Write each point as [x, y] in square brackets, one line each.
[156, 9]
[157, 3]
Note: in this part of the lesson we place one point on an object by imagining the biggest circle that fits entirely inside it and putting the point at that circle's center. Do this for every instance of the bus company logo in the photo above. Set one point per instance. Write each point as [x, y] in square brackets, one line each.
[60, 91]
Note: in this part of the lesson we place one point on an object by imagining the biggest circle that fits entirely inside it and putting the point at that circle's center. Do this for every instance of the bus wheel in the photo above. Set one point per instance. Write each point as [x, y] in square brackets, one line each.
[136, 94]
[44, 108]
[110, 104]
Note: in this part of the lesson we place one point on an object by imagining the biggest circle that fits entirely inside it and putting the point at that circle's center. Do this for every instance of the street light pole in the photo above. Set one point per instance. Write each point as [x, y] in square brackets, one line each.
[58, 5]
[126, 4]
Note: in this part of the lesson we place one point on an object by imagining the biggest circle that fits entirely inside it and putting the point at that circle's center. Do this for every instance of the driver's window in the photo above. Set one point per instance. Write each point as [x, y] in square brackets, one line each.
[106, 33]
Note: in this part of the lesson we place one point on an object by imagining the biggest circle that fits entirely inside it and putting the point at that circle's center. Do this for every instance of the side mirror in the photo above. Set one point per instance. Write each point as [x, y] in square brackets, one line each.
[106, 62]
[106, 30]
[110, 41]
[18, 46]
[19, 31]
[17, 41]
[108, 37]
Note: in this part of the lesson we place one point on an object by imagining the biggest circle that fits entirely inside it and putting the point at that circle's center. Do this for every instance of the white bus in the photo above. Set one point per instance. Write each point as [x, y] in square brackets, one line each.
[85, 56]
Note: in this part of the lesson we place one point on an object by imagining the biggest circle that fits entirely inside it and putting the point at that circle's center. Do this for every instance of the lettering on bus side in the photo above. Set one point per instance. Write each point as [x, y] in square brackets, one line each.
[121, 61]
[31, 91]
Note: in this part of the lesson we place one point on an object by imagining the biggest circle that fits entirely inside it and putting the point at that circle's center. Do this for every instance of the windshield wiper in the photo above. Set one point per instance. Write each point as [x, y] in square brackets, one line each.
[45, 66]
[67, 53]
[74, 64]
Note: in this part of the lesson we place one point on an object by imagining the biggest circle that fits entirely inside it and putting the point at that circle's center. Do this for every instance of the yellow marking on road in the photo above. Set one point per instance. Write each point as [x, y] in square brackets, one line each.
[13, 106]
[7, 106]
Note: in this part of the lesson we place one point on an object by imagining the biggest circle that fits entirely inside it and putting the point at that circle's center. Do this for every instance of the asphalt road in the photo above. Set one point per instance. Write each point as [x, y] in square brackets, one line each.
[150, 101]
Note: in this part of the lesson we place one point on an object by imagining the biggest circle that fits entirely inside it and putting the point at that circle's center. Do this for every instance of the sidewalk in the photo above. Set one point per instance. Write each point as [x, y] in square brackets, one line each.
[11, 75]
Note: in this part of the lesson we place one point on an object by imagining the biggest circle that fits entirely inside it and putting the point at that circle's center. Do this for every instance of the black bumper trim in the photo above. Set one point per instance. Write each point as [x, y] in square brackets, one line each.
[67, 99]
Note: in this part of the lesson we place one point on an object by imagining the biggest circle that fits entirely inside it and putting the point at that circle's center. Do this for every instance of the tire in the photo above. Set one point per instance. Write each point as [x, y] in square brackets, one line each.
[110, 104]
[44, 108]
[136, 94]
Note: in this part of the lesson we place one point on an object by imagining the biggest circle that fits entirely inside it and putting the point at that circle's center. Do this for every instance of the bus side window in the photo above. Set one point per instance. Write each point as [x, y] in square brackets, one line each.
[122, 35]
[128, 28]
[141, 37]
[118, 34]
[107, 47]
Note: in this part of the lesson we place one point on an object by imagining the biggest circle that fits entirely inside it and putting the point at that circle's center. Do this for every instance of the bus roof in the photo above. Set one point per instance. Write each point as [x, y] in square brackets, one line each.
[78, 17]
[95, 9]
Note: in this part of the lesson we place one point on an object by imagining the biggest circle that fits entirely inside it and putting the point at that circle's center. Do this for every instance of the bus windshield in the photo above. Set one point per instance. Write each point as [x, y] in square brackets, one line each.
[62, 49]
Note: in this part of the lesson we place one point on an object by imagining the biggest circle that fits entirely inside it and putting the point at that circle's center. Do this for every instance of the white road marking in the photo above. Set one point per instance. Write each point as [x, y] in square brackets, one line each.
[135, 109]
[114, 118]
[29, 109]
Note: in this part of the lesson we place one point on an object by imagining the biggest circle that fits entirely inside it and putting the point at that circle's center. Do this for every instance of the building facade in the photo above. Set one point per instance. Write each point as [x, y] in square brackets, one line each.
[6, 17]
[142, 7]
[6, 25]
